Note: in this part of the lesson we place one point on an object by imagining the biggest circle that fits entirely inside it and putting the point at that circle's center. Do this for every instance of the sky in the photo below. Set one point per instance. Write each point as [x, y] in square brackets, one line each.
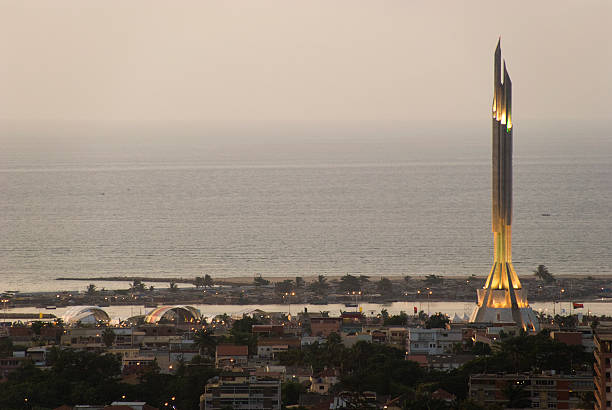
[226, 65]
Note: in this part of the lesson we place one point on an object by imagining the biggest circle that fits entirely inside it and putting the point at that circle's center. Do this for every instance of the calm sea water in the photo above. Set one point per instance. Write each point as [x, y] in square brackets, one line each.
[374, 208]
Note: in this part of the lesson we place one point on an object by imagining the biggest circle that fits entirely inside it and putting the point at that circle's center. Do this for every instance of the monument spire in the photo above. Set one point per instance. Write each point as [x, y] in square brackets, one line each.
[502, 299]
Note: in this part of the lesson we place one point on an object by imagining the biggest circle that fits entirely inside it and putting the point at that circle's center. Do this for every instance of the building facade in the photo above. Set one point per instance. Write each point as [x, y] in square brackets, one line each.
[431, 341]
[239, 390]
[603, 356]
[529, 390]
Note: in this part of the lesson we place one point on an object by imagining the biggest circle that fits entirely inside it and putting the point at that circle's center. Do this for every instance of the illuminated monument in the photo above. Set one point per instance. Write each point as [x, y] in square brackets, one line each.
[502, 299]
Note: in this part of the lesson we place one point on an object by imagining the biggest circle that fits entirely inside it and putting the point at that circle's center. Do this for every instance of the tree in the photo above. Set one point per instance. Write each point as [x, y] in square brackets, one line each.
[6, 347]
[349, 283]
[481, 348]
[396, 320]
[543, 274]
[138, 286]
[205, 341]
[290, 392]
[299, 282]
[516, 395]
[434, 280]
[208, 281]
[320, 286]
[439, 320]
[285, 286]
[384, 286]
[173, 287]
[199, 282]
[108, 337]
[363, 279]
[259, 281]
[91, 290]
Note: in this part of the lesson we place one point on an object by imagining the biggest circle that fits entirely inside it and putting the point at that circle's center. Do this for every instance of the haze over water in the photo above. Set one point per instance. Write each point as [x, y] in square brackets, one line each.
[361, 203]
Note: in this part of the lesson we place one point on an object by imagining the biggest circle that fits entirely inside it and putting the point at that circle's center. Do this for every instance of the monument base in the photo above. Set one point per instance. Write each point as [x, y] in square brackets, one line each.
[496, 315]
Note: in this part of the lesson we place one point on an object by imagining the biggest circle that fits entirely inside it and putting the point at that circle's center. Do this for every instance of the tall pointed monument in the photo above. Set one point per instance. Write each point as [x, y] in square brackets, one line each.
[502, 299]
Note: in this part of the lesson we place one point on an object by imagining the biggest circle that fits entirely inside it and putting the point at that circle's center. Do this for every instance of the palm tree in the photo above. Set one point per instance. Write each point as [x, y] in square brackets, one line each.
[320, 285]
[91, 289]
[205, 341]
[516, 395]
[543, 274]
[208, 281]
[108, 336]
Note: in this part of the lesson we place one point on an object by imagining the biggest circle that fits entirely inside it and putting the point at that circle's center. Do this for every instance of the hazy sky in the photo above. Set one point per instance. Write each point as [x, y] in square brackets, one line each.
[232, 62]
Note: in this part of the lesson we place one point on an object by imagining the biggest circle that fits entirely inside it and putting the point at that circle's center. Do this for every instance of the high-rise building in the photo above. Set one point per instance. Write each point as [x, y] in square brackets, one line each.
[502, 299]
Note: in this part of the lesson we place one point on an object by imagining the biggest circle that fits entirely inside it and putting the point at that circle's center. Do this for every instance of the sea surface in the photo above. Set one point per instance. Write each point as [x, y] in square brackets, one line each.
[182, 207]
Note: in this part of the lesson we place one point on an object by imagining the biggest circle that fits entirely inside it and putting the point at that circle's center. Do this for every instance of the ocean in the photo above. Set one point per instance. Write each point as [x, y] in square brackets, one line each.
[79, 207]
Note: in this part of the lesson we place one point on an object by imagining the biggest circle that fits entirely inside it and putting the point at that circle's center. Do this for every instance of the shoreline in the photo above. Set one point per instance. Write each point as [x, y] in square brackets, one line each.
[305, 290]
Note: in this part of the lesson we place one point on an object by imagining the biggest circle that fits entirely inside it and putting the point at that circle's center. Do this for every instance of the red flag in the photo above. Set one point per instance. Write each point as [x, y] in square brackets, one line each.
[578, 305]
[415, 310]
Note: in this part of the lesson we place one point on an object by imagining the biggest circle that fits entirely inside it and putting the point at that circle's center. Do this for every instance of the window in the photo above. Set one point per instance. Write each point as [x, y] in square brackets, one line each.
[535, 404]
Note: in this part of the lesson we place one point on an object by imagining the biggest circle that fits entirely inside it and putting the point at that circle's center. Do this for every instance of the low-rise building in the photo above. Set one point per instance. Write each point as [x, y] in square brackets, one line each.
[231, 355]
[322, 383]
[83, 338]
[431, 341]
[324, 326]
[268, 330]
[239, 390]
[351, 339]
[549, 390]
[268, 348]
[10, 364]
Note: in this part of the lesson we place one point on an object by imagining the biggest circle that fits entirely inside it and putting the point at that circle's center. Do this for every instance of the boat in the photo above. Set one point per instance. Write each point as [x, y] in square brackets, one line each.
[51, 307]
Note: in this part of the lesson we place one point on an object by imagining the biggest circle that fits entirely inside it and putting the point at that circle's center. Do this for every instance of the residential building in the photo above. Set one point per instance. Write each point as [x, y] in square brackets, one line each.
[10, 364]
[231, 355]
[548, 390]
[603, 356]
[397, 336]
[324, 326]
[268, 348]
[83, 338]
[352, 322]
[268, 330]
[431, 341]
[348, 340]
[321, 383]
[239, 390]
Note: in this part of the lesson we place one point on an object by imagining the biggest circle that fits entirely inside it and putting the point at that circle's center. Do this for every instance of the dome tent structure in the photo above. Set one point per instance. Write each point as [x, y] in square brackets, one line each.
[85, 314]
[173, 314]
